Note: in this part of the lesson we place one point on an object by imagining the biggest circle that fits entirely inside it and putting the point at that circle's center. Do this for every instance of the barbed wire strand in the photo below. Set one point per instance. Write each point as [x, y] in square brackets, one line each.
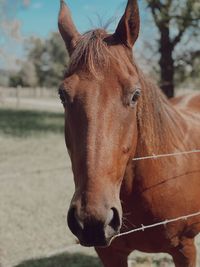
[144, 227]
[38, 171]
[167, 221]
[168, 155]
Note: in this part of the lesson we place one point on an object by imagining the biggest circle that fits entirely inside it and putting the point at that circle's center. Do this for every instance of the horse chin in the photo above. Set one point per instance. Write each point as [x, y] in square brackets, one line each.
[95, 244]
[102, 241]
[98, 244]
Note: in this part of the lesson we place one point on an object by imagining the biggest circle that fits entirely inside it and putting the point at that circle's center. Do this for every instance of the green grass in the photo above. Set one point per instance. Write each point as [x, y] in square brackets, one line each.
[25, 123]
[64, 260]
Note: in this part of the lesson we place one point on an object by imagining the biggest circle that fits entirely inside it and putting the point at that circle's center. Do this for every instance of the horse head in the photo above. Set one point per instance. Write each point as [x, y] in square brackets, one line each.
[100, 92]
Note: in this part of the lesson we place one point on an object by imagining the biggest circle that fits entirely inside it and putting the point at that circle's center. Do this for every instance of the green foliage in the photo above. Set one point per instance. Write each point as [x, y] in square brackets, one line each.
[4, 78]
[188, 70]
[24, 123]
[45, 63]
[28, 75]
[181, 21]
[15, 80]
[49, 58]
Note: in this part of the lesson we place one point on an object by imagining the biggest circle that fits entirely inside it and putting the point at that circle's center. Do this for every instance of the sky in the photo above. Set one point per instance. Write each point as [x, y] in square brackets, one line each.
[40, 17]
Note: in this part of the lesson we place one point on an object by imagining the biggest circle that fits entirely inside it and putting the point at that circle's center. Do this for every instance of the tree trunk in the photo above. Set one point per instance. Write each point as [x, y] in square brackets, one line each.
[166, 62]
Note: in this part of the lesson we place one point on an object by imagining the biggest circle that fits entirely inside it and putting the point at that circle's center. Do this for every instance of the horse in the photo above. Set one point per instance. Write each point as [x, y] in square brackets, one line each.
[113, 114]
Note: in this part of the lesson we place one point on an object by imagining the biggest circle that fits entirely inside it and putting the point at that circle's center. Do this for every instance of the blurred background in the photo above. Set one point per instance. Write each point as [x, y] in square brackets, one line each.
[36, 183]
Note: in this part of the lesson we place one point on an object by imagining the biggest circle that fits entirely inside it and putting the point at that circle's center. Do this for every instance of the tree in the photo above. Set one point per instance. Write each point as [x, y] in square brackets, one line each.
[28, 74]
[45, 63]
[10, 30]
[15, 80]
[26, 77]
[49, 58]
[177, 23]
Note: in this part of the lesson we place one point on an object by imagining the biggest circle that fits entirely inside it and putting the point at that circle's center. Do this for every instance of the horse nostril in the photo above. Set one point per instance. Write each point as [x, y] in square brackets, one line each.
[114, 220]
[74, 222]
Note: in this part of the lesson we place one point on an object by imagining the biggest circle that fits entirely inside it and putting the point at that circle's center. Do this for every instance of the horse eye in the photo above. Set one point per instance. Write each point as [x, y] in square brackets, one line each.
[135, 96]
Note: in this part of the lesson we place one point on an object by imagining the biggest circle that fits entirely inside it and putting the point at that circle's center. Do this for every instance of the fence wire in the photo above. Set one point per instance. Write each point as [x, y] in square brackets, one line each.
[39, 171]
[165, 222]
[168, 155]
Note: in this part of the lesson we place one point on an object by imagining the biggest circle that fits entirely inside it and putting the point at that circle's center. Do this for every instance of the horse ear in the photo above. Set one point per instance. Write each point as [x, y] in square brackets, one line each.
[129, 26]
[67, 28]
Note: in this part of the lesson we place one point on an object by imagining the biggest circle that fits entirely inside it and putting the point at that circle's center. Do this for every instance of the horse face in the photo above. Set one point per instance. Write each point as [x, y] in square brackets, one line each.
[100, 95]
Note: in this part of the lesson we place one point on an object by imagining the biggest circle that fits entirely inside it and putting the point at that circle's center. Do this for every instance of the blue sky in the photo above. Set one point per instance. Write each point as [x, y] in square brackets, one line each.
[40, 19]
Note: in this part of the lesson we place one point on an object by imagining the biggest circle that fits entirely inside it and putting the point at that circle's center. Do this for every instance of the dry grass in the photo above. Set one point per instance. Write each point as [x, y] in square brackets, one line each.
[34, 195]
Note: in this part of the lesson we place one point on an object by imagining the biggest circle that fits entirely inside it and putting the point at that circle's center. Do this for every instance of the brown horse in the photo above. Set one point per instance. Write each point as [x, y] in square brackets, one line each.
[113, 114]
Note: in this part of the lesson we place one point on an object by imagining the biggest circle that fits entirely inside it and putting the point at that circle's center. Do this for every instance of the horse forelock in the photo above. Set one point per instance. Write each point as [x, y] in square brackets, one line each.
[91, 53]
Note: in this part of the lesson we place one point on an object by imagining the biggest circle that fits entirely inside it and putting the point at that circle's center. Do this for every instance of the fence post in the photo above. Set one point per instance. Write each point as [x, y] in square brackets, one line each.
[18, 96]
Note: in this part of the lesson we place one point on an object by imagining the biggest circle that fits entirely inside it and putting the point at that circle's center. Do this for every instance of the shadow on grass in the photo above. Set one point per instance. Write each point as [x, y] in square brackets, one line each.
[24, 123]
[64, 260]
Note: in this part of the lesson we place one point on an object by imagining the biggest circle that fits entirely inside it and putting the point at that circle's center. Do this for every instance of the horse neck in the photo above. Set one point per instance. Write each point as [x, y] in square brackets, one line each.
[161, 128]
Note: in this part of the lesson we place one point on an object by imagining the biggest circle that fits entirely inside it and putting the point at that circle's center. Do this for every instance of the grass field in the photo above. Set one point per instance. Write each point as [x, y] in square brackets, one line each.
[36, 186]
[26, 123]
[35, 190]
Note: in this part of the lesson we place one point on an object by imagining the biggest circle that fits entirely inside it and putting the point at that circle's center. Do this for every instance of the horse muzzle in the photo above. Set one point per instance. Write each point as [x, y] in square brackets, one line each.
[94, 229]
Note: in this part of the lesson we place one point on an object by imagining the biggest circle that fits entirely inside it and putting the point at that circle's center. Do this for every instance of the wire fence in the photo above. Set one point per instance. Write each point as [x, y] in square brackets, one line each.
[150, 226]
[38, 171]
[145, 227]
[168, 155]
[166, 221]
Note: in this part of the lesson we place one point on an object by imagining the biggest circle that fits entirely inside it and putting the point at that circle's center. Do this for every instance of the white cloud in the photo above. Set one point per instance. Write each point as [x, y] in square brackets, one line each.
[37, 5]
[88, 7]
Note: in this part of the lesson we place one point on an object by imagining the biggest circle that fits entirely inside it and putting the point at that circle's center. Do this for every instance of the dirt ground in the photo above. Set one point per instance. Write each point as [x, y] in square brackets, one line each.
[36, 186]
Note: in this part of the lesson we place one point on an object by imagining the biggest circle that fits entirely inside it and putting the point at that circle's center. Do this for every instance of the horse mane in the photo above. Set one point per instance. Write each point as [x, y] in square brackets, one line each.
[160, 125]
[157, 120]
[91, 51]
